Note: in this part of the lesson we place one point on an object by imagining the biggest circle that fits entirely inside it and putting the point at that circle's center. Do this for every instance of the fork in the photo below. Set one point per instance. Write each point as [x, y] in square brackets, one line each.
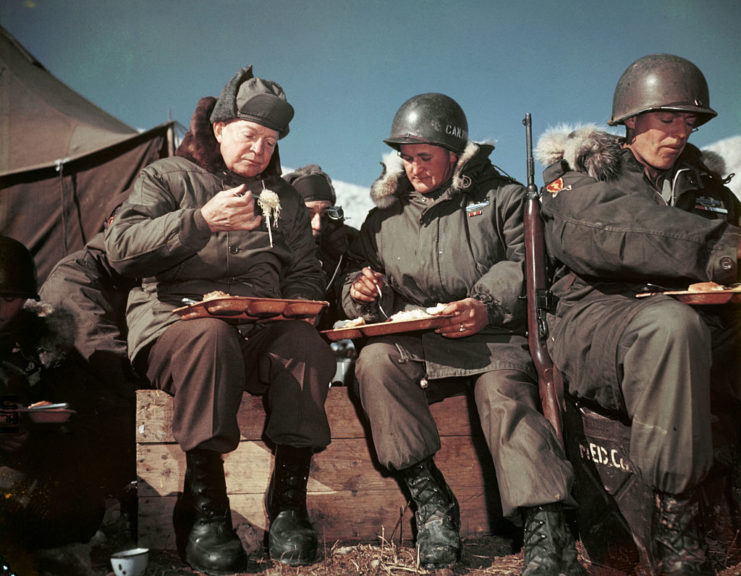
[380, 295]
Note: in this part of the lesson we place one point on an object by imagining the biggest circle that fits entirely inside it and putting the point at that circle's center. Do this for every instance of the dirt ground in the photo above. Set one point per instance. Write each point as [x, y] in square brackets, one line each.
[494, 555]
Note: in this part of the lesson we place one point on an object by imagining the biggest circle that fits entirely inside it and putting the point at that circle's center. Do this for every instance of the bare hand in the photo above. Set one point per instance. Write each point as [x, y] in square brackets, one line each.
[232, 209]
[366, 286]
[469, 317]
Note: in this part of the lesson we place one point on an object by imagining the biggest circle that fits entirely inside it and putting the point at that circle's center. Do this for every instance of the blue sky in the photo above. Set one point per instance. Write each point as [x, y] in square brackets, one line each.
[347, 66]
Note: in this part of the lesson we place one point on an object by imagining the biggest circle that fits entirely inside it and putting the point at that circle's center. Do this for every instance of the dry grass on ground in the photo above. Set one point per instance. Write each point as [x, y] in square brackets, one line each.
[488, 556]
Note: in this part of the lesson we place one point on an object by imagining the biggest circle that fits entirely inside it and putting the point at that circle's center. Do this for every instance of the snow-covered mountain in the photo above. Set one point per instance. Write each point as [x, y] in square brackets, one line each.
[355, 201]
[726, 156]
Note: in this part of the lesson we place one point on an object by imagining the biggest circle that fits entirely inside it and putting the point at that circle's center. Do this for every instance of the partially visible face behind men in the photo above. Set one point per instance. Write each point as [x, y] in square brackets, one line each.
[427, 166]
[317, 211]
[658, 138]
[246, 147]
[10, 306]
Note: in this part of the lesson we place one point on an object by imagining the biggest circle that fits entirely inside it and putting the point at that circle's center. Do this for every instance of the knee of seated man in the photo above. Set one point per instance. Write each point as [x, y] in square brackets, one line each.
[374, 357]
[675, 320]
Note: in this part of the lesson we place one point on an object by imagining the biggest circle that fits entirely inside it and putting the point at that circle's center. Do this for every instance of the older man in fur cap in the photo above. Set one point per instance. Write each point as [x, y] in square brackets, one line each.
[218, 217]
[447, 228]
[621, 212]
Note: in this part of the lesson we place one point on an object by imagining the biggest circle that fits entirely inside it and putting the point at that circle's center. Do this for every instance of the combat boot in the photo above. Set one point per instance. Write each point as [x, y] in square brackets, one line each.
[291, 539]
[436, 514]
[202, 519]
[679, 546]
[549, 546]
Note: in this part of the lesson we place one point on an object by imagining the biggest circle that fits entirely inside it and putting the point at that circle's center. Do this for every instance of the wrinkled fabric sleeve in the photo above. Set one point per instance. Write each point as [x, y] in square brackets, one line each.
[152, 232]
[363, 252]
[304, 277]
[609, 231]
[501, 287]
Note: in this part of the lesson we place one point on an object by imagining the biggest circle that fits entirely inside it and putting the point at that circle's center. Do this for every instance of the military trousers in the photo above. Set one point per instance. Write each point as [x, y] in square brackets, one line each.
[664, 361]
[206, 365]
[530, 465]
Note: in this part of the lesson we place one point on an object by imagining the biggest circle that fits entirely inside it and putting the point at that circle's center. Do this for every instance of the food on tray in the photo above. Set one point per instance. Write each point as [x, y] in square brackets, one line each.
[359, 321]
[420, 314]
[39, 404]
[403, 316]
[705, 287]
[215, 294]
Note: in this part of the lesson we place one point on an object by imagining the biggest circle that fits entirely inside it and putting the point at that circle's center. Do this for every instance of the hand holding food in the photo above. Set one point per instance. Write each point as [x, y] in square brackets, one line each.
[469, 317]
[232, 209]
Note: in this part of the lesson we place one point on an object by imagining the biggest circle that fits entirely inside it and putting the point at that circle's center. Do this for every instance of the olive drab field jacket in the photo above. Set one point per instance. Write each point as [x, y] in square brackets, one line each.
[610, 232]
[467, 242]
[160, 236]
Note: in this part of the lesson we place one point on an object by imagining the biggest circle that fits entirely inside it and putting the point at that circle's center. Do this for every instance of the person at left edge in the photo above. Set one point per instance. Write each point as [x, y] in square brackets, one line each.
[194, 224]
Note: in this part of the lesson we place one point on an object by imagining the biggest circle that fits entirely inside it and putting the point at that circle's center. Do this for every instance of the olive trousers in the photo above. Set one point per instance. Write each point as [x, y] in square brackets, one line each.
[206, 365]
[530, 465]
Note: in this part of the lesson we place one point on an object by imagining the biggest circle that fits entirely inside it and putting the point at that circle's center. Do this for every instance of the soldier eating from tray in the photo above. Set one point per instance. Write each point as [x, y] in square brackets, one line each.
[623, 211]
[218, 216]
[448, 228]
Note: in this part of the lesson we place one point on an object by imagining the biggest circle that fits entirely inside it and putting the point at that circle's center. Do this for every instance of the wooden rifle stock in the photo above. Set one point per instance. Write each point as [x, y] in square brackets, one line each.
[549, 385]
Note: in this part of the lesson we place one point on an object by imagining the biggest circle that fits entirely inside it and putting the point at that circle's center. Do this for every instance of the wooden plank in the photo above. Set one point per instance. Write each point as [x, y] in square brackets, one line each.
[344, 465]
[350, 496]
[154, 416]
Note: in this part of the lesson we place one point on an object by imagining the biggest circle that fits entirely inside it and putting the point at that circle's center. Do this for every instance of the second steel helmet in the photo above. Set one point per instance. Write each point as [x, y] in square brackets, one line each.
[661, 82]
[17, 270]
[430, 118]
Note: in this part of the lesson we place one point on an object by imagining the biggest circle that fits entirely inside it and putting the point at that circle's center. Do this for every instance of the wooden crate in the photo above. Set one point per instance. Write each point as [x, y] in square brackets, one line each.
[350, 497]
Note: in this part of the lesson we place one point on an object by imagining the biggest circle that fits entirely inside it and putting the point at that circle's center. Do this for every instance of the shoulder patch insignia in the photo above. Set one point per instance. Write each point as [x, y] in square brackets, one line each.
[555, 187]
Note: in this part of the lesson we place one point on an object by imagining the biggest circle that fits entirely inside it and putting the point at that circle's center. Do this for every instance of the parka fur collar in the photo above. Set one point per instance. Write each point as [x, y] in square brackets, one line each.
[393, 182]
[599, 153]
[199, 144]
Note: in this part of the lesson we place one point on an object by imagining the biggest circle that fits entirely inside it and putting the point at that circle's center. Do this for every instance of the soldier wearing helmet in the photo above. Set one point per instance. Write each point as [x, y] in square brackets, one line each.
[447, 229]
[621, 212]
[48, 499]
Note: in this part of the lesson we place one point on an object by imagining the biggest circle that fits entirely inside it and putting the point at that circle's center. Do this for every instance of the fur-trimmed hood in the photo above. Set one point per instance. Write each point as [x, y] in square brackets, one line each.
[393, 181]
[598, 152]
[199, 144]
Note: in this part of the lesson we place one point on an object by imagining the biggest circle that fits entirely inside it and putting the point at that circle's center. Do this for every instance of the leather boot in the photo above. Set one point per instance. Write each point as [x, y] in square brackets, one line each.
[549, 546]
[291, 538]
[204, 534]
[436, 514]
[679, 546]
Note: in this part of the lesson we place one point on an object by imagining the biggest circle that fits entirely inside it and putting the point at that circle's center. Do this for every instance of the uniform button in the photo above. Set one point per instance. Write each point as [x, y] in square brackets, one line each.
[234, 249]
[726, 263]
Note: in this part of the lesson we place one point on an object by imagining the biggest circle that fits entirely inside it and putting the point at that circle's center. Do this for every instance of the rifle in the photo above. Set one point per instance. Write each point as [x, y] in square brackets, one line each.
[538, 296]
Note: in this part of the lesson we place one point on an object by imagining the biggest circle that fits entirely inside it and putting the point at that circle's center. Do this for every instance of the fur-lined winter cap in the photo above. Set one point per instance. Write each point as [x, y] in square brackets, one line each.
[312, 183]
[248, 98]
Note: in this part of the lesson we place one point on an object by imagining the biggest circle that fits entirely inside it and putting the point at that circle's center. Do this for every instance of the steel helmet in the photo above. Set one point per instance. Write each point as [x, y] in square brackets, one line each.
[17, 270]
[430, 118]
[661, 82]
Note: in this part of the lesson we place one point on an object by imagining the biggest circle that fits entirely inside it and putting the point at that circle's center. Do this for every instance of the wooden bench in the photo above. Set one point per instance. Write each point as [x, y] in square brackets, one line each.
[350, 497]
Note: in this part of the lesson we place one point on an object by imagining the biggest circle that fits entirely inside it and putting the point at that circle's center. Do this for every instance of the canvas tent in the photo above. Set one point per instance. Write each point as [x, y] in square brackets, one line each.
[64, 162]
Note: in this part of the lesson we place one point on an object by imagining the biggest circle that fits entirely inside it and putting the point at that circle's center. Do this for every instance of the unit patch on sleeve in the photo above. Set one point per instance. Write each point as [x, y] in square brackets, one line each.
[476, 209]
[555, 187]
